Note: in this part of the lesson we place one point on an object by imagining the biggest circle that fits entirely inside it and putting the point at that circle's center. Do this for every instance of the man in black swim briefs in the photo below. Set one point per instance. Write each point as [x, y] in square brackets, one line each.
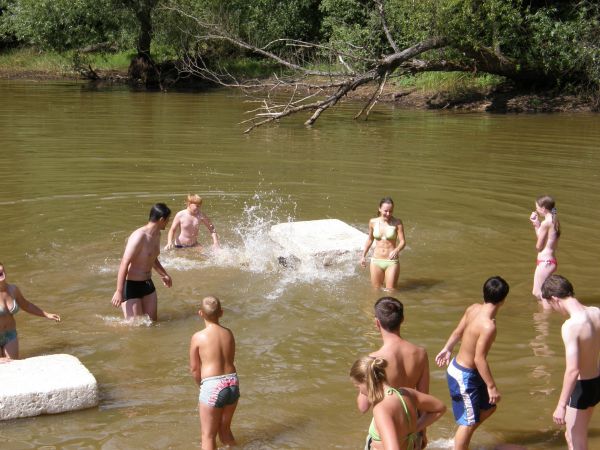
[581, 384]
[135, 292]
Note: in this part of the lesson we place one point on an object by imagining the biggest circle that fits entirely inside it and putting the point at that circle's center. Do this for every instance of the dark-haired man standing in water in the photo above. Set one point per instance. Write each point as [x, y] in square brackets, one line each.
[472, 387]
[135, 292]
[407, 363]
[581, 383]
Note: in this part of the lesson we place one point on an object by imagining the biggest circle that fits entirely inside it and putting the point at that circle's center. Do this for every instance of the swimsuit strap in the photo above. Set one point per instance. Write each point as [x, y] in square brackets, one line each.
[411, 437]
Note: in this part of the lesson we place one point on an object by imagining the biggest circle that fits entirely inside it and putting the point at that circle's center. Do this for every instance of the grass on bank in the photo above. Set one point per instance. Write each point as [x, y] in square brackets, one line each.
[27, 60]
[454, 83]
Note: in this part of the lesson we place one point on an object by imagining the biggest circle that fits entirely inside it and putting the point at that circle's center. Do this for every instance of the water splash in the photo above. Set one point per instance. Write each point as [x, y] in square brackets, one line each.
[252, 250]
[112, 321]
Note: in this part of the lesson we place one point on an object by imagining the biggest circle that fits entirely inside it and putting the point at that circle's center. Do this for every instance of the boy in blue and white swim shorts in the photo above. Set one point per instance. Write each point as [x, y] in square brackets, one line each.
[468, 392]
[472, 387]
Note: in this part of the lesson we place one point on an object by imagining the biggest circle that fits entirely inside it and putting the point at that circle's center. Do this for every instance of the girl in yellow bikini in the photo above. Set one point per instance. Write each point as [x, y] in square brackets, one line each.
[547, 233]
[395, 423]
[388, 232]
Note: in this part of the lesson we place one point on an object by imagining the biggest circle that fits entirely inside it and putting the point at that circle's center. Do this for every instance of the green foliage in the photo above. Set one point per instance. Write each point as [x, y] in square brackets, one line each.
[561, 40]
[65, 24]
[452, 82]
[570, 46]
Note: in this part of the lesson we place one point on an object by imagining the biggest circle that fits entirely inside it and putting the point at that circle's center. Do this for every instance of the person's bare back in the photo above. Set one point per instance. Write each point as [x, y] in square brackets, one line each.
[216, 350]
[407, 364]
[479, 326]
[144, 243]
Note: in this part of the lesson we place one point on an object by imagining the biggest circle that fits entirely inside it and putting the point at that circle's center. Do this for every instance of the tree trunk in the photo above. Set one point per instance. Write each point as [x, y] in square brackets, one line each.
[142, 68]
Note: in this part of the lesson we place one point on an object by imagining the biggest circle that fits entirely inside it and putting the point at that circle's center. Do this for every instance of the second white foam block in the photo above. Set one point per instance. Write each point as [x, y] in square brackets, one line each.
[324, 239]
[45, 385]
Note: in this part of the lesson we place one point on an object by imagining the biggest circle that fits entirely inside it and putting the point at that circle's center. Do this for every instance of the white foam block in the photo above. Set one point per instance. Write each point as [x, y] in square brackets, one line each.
[45, 385]
[318, 238]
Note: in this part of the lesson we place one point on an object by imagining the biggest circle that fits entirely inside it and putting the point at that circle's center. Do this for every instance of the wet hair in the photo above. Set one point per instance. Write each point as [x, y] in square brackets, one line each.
[211, 307]
[387, 200]
[370, 371]
[557, 286]
[390, 313]
[547, 202]
[495, 290]
[194, 198]
[159, 211]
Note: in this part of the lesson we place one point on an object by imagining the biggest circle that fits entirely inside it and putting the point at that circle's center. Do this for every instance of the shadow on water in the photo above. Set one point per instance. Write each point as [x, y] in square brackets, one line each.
[414, 284]
[268, 436]
[553, 436]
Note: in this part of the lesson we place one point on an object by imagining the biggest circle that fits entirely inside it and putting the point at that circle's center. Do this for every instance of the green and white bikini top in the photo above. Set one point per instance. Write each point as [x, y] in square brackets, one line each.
[389, 233]
[410, 438]
[12, 310]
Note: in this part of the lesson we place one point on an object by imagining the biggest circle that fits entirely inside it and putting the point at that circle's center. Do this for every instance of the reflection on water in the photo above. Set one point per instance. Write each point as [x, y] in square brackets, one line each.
[81, 169]
[541, 349]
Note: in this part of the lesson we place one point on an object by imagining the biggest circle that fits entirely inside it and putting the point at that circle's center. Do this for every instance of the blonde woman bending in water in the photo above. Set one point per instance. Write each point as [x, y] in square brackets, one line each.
[388, 232]
[398, 414]
[11, 301]
[547, 232]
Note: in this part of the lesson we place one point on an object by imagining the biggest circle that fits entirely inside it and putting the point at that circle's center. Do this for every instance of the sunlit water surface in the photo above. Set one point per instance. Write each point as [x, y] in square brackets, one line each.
[81, 168]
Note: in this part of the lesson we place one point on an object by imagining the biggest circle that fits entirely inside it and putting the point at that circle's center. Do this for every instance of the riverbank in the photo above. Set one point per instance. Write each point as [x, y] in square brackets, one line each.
[449, 91]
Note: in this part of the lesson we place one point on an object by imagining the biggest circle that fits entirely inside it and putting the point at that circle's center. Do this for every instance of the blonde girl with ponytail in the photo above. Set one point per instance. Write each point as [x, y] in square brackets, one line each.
[395, 423]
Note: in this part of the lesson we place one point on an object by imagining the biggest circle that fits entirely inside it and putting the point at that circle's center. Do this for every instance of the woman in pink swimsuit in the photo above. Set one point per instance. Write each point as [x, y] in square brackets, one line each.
[547, 232]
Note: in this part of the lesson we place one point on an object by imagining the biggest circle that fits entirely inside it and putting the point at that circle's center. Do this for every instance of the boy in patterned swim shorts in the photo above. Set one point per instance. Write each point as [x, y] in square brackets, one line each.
[212, 352]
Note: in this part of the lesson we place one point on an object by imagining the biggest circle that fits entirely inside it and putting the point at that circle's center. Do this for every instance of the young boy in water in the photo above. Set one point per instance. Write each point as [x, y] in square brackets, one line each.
[187, 222]
[212, 353]
[581, 383]
[472, 388]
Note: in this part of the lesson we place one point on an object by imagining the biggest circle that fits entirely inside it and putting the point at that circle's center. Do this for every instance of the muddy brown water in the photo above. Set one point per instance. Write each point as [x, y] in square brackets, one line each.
[81, 168]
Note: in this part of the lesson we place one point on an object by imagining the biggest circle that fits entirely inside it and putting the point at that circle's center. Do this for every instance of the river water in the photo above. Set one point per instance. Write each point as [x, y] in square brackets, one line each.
[81, 167]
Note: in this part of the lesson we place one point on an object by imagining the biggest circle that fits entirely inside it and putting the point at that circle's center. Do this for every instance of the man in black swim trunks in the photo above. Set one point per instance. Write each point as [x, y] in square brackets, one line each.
[135, 292]
[581, 385]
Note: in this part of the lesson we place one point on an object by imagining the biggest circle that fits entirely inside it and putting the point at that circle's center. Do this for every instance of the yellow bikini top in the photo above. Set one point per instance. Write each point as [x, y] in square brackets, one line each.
[389, 233]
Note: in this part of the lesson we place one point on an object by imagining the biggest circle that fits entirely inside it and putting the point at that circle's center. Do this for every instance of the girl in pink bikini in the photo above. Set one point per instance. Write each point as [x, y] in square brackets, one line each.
[548, 233]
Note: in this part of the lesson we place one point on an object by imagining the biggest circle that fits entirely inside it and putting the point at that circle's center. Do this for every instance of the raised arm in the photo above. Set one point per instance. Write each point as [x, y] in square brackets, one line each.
[195, 362]
[211, 229]
[542, 236]
[26, 305]
[444, 356]
[484, 343]
[370, 238]
[362, 403]
[569, 336]
[172, 232]
[401, 241]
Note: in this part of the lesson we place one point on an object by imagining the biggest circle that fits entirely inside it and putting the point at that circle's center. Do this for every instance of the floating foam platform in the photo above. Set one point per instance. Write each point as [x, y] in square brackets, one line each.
[45, 385]
[325, 239]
